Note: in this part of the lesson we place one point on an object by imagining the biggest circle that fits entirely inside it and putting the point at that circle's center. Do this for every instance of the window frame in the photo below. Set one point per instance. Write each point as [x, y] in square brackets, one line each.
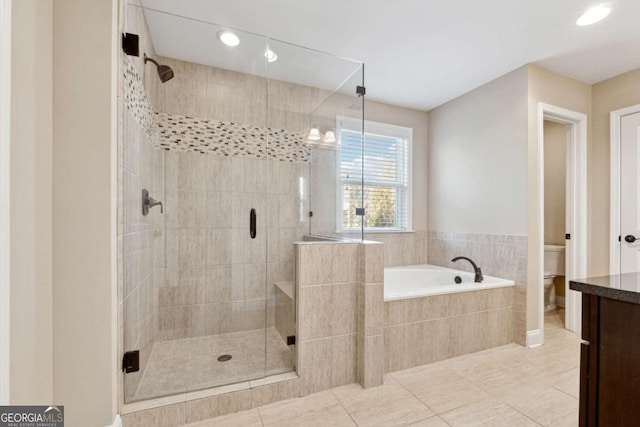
[383, 129]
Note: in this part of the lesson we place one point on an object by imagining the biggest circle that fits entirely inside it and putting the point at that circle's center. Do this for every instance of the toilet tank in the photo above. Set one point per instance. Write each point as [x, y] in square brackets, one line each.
[554, 259]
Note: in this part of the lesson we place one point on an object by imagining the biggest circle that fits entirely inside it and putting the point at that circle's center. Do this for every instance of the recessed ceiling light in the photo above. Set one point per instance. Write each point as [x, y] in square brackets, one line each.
[595, 14]
[229, 38]
[270, 55]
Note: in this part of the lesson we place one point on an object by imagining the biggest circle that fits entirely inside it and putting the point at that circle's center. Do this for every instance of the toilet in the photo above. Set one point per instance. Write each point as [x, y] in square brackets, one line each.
[553, 267]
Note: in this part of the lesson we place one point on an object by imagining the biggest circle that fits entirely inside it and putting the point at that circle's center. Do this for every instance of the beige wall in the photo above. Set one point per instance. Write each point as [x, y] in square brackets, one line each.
[477, 159]
[31, 287]
[609, 95]
[555, 174]
[84, 359]
[560, 91]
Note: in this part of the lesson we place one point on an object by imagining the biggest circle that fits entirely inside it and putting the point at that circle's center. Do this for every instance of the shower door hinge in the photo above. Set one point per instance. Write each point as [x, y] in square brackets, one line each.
[131, 361]
[131, 44]
[361, 90]
[359, 211]
[291, 340]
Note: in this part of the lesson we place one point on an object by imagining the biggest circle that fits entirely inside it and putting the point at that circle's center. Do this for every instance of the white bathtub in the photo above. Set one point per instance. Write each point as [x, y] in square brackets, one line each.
[411, 281]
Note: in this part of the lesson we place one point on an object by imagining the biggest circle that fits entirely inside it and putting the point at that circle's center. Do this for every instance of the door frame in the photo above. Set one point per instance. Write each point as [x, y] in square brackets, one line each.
[614, 179]
[576, 248]
[5, 188]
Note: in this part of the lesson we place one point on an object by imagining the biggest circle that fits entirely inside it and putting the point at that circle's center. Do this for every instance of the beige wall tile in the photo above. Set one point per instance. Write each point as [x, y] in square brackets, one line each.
[185, 171]
[165, 416]
[326, 310]
[324, 263]
[415, 344]
[201, 409]
[188, 247]
[470, 332]
[503, 325]
[417, 309]
[468, 302]
[371, 360]
[220, 245]
[327, 362]
[266, 394]
[372, 296]
[218, 174]
[371, 262]
[218, 210]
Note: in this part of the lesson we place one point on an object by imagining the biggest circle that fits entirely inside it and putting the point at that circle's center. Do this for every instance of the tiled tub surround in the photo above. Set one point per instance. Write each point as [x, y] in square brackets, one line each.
[340, 325]
[428, 329]
[410, 248]
[497, 255]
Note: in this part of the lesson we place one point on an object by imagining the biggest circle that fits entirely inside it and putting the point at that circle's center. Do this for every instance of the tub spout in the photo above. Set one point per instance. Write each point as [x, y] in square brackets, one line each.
[478, 273]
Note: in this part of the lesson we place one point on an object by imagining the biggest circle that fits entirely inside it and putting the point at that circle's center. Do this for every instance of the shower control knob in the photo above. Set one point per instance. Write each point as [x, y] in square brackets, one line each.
[629, 238]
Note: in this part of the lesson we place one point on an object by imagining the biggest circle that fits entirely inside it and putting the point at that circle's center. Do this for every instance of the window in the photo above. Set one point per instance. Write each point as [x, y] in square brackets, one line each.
[386, 195]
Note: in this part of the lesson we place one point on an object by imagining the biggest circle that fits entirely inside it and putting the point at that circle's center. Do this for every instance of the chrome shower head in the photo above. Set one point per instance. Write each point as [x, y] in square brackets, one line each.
[164, 71]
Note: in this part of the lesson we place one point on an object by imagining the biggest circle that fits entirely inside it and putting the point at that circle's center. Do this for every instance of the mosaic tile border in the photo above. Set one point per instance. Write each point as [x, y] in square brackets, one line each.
[188, 134]
[174, 132]
[136, 99]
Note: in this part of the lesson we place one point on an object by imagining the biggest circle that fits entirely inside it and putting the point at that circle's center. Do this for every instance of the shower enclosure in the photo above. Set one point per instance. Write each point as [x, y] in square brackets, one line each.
[228, 155]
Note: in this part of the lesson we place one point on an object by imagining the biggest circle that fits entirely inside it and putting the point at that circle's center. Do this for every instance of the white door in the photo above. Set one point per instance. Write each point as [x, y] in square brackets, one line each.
[629, 193]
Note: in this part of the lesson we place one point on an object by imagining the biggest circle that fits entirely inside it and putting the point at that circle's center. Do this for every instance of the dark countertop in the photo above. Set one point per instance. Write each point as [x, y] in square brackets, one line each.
[622, 287]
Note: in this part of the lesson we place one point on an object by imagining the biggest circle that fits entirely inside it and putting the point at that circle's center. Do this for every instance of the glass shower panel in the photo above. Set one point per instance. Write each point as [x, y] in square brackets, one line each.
[203, 317]
[337, 155]
[299, 80]
[241, 144]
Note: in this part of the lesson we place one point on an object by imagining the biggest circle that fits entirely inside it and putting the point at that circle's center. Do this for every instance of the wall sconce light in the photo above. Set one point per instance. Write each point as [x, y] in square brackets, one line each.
[329, 137]
[314, 134]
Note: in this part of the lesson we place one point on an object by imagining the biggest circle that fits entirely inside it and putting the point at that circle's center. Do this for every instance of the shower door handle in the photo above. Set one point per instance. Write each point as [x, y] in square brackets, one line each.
[252, 223]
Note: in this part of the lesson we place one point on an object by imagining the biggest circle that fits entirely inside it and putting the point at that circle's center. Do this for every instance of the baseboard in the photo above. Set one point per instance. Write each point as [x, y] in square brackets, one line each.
[560, 301]
[117, 422]
[535, 338]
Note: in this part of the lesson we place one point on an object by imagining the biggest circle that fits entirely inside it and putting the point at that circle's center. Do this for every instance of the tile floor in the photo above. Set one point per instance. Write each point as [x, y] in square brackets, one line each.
[505, 386]
[190, 364]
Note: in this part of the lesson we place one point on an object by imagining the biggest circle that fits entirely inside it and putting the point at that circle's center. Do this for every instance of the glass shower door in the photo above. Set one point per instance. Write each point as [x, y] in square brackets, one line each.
[199, 320]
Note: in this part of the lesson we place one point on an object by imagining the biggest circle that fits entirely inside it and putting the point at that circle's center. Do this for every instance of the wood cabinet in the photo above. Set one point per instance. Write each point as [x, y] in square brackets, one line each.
[609, 362]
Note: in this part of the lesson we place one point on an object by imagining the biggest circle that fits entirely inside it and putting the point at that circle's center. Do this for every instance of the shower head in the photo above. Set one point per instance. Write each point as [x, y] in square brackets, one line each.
[164, 71]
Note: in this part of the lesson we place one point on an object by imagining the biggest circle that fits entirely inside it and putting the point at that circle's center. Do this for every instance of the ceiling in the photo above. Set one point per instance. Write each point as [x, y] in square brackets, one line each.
[419, 53]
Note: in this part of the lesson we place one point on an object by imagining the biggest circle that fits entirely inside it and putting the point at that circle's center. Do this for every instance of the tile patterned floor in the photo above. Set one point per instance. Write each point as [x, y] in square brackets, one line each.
[505, 386]
[190, 364]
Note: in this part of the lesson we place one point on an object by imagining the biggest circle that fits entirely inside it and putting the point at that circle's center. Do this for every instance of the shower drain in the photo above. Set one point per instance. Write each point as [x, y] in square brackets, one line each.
[224, 358]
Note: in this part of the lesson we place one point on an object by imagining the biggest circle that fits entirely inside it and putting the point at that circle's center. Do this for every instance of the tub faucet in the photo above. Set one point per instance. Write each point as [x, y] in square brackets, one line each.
[478, 273]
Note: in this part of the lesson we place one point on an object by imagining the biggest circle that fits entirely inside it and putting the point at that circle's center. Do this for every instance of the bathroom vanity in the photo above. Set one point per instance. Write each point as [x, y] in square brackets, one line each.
[609, 368]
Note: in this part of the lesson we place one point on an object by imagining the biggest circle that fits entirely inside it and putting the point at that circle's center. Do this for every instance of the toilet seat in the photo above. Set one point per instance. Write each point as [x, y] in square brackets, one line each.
[548, 275]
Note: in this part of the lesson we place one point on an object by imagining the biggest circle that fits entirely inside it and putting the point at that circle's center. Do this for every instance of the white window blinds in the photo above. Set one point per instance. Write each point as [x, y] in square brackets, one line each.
[386, 194]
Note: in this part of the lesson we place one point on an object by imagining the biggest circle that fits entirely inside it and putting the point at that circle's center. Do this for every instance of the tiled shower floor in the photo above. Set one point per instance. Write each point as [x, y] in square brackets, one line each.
[189, 364]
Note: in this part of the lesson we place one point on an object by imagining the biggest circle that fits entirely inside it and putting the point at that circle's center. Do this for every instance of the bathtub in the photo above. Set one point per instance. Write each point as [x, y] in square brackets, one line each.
[414, 281]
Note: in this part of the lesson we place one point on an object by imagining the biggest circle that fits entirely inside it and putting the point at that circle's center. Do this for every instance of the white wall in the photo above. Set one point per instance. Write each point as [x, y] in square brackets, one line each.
[477, 161]
[84, 217]
[31, 224]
